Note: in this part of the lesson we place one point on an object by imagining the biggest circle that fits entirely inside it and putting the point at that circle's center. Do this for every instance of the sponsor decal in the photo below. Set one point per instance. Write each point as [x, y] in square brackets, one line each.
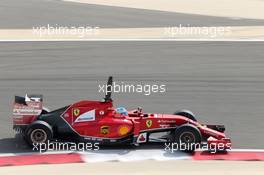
[101, 113]
[26, 111]
[123, 130]
[164, 125]
[148, 123]
[76, 112]
[66, 115]
[87, 116]
[104, 130]
[142, 138]
[29, 109]
[166, 121]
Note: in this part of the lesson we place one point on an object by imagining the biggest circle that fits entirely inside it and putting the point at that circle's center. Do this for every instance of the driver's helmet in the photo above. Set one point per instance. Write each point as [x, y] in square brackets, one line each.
[121, 110]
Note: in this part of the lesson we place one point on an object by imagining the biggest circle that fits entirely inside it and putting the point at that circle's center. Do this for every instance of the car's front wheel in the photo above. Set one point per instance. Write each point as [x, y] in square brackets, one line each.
[187, 137]
[186, 113]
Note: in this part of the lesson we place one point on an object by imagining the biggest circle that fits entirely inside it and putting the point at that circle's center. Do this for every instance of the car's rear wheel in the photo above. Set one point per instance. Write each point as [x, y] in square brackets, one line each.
[186, 113]
[187, 137]
[39, 133]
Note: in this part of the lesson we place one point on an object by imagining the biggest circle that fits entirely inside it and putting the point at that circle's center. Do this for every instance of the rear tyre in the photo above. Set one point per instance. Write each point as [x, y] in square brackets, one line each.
[186, 113]
[188, 138]
[38, 134]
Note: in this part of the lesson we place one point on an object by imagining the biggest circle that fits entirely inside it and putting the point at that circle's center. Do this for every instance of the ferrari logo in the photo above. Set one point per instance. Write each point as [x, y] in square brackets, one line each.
[76, 112]
[148, 123]
[104, 130]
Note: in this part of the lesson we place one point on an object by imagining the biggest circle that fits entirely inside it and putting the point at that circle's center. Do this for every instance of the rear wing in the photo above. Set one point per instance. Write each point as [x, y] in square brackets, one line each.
[28, 105]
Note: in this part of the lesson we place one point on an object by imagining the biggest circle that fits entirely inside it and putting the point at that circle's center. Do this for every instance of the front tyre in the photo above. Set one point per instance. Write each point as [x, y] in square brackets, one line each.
[39, 133]
[186, 113]
[188, 138]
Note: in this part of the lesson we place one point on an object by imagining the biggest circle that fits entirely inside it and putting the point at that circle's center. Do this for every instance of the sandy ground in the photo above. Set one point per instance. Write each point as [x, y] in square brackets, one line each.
[251, 9]
[61, 13]
[143, 168]
[211, 33]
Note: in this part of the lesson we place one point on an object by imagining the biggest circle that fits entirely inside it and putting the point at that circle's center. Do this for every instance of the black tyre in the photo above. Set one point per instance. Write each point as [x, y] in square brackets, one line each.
[38, 133]
[186, 113]
[187, 137]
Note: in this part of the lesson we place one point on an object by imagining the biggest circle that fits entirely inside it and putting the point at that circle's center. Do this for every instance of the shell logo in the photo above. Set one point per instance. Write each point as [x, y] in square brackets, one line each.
[123, 130]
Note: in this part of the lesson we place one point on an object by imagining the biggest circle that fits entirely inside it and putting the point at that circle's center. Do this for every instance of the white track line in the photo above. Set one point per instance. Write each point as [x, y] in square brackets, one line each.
[136, 39]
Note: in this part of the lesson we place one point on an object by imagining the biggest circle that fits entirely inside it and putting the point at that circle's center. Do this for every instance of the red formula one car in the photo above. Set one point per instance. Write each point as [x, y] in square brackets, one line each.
[99, 121]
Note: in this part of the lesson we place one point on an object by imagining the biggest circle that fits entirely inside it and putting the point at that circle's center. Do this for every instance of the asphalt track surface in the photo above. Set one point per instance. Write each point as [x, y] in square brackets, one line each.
[221, 82]
[26, 14]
